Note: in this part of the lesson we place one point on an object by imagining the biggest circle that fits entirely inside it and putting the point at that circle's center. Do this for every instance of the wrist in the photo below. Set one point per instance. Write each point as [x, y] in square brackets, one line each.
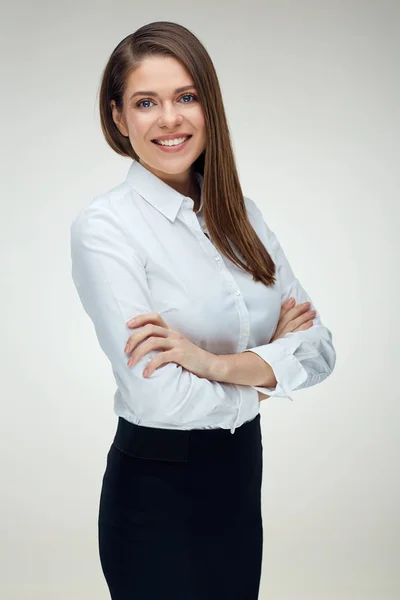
[217, 367]
[244, 368]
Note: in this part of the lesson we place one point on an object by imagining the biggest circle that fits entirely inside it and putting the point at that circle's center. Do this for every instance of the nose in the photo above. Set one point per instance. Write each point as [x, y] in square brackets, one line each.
[170, 116]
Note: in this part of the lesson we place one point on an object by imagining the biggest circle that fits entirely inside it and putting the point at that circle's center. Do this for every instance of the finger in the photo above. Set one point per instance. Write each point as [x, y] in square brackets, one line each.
[290, 322]
[304, 326]
[158, 361]
[293, 313]
[290, 329]
[287, 305]
[154, 318]
[136, 338]
[302, 320]
[283, 319]
[152, 343]
[299, 309]
[289, 312]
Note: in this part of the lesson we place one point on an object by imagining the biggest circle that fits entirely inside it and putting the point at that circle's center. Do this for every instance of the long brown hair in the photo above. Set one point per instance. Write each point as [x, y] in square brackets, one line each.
[224, 208]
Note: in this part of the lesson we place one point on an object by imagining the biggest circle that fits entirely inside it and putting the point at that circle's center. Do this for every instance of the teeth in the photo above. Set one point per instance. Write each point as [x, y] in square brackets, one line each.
[171, 142]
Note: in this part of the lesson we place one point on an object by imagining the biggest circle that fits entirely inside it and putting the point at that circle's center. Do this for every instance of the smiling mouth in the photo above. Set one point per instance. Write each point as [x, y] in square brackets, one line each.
[167, 145]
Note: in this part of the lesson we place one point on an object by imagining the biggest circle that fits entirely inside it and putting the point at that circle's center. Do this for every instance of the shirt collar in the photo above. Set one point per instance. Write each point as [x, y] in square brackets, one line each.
[158, 193]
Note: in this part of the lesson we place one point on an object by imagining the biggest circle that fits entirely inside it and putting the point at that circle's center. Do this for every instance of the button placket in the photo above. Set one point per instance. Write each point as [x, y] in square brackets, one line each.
[232, 284]
[244, 321]
[198, 228]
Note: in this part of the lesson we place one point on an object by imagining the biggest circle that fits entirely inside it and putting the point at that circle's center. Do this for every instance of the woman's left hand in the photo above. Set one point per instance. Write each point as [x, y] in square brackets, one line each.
[177, 348]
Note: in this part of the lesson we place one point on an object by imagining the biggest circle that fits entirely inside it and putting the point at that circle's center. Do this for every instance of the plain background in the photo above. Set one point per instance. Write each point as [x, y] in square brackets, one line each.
[311, 91]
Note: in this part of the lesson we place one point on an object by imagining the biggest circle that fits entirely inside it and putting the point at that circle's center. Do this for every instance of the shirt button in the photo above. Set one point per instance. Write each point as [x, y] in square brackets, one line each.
[217, 258]
[245, 333]
[237, 293]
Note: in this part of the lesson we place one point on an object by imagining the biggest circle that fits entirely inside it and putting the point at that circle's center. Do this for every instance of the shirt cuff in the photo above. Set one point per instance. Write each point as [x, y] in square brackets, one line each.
[248, 407]
[288, 371]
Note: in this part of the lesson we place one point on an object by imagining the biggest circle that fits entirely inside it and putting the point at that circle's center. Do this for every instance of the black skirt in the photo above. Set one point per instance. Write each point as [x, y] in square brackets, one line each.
[180, 513]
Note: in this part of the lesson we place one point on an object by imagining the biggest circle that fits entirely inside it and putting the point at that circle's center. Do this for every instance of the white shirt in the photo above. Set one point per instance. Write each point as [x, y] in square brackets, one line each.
[140, 248]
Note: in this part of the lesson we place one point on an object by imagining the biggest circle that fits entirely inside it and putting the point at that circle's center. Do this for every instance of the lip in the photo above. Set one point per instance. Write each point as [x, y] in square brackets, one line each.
[173, 148]
[170, 136]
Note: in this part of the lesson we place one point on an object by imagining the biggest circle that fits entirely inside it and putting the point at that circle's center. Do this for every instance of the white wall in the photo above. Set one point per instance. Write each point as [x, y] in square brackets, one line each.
[312, 94]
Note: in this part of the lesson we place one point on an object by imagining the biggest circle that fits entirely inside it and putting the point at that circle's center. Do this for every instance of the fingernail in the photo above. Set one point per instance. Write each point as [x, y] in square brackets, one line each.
[131, 321]
[290, 301]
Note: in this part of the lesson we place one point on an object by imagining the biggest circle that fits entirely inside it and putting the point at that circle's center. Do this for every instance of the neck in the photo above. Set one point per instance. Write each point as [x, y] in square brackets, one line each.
[195, 195]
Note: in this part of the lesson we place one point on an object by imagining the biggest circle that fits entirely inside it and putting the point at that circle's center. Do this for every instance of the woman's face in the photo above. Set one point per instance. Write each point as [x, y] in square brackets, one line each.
[153, 108]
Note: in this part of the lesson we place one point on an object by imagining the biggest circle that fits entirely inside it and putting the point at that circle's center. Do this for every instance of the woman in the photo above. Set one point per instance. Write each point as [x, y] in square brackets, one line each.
[180, 506]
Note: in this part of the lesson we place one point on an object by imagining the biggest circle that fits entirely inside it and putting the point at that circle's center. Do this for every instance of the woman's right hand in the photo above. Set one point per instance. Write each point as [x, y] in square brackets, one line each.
[292, 318]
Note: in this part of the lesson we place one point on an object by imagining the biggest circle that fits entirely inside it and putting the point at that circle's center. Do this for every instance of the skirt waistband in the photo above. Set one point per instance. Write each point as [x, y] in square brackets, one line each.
[174, 444]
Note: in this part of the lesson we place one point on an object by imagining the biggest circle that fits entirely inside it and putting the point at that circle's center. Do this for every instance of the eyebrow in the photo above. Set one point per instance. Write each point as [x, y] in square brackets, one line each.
[150, 93]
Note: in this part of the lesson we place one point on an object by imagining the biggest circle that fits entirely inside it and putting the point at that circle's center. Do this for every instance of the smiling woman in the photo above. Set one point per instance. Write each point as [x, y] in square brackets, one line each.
[164, 123]
[160, 83]
[180, 506]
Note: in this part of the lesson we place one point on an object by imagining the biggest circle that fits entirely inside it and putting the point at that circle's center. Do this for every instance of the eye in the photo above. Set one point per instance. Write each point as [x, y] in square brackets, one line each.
[139, 104]
[189, 95]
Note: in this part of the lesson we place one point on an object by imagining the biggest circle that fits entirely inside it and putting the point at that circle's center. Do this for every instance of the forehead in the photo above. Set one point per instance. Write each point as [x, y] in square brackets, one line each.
[162, 74]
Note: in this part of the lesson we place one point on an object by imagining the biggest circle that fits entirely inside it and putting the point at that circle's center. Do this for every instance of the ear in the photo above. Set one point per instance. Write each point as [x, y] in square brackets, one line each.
[118, 119]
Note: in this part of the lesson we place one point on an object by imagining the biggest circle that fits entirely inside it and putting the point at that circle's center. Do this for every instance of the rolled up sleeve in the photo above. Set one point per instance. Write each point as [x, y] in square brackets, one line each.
[302, 358]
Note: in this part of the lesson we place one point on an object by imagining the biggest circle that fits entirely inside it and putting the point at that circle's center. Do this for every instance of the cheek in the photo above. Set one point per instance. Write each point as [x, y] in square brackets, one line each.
[199, 122]
[199, 117]
[139, 125]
